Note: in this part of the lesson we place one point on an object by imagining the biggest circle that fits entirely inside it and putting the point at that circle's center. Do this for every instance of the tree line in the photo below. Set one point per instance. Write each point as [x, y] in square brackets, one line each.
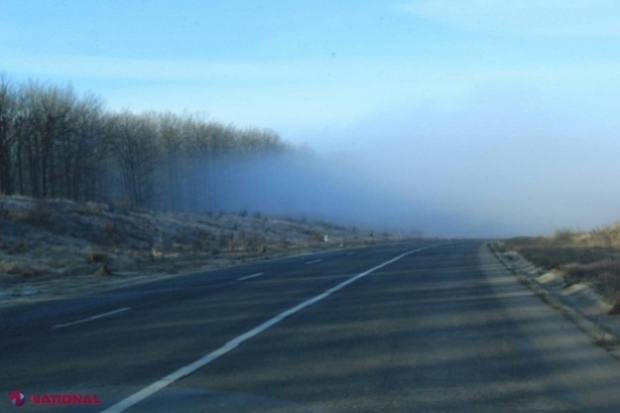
[55, 143]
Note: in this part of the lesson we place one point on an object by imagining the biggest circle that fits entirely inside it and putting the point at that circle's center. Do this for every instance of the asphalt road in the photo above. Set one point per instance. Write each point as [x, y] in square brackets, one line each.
[411, 327]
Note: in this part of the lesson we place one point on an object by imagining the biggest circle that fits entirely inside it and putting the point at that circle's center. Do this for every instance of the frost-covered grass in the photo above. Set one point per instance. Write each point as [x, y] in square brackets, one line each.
[44, 241]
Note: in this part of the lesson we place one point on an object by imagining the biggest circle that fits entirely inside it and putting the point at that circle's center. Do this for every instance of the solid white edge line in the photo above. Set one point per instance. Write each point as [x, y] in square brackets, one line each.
[250, 276]
[312, 262]
[232, 344]
[95, 317]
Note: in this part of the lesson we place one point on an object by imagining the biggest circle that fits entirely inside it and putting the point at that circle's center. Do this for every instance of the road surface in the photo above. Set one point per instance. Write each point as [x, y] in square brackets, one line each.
[421, 326]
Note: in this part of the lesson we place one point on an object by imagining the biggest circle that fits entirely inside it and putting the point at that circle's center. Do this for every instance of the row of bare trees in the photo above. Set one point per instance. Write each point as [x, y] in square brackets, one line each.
[55, 143]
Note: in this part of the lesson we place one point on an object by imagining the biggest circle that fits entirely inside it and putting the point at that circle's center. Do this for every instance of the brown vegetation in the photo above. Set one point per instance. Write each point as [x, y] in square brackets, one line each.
[588, 256]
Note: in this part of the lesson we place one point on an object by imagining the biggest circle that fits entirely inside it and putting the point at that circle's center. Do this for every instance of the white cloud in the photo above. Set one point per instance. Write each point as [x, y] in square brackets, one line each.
[575, 18]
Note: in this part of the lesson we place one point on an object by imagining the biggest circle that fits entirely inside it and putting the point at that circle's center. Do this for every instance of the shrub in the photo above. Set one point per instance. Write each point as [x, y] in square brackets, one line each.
[563, 236]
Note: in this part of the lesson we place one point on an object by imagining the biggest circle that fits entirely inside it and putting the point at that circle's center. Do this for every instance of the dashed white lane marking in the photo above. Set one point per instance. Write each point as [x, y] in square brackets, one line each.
[232, 344]
[258, 274]
[314, 261]
[95, 317]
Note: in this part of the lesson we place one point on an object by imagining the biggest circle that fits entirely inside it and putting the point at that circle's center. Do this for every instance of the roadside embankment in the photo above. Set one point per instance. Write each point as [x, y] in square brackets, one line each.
[53, 247]
[579, 301]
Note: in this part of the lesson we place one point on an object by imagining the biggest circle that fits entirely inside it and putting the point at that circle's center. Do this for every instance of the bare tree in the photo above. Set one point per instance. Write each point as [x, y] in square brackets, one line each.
[81, 148]
[170, 136]
[7, 135]
[46, 121]
[134, 145]
[56, 144]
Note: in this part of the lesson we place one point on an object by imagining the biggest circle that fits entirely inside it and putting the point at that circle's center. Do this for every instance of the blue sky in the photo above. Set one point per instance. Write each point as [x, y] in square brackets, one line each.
[501, 110]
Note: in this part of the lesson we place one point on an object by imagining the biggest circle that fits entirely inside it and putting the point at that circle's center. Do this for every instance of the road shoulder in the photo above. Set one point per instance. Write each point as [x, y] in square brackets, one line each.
[578, 303]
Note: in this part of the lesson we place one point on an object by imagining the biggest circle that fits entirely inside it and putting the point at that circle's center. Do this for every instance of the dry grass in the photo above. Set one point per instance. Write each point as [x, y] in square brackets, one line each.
[592, 256]
[52, 239]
